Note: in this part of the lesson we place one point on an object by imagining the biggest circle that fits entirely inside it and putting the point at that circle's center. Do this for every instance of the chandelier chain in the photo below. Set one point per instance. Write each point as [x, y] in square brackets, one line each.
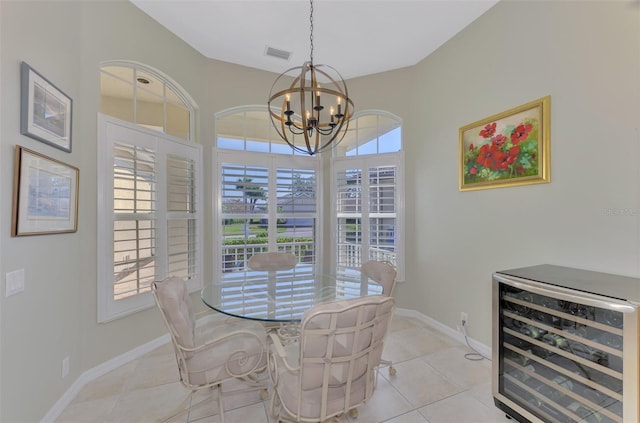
[307, 117]
[311, 32]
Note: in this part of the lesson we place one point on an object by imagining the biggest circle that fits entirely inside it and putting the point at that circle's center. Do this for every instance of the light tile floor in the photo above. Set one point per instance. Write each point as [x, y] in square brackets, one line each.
[434, 383]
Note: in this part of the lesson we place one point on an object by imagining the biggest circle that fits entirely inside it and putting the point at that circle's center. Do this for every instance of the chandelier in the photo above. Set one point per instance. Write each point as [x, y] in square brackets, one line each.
[309, 105]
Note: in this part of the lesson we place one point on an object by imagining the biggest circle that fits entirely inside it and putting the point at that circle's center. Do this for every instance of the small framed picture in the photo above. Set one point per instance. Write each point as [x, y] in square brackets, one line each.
[45, 195]
[507, 149]
[45, 112]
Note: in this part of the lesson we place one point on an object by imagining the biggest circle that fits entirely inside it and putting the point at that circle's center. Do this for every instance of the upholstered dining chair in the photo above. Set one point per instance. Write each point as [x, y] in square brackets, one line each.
[383, 273]
[272, 261]
[228, 349]
[331, 370]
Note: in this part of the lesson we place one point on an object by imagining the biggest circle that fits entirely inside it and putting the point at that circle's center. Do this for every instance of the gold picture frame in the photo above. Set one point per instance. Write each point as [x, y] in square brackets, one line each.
[507, 149]
[45, 195]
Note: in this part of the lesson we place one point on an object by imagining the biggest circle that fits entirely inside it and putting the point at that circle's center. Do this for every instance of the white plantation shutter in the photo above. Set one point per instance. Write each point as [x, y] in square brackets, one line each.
[367, 223]
[367, 191]
[383, 216]
[182, 217]
[268, 202]
[297, 210]
[149, 215]
[348, 192]
[134, 250]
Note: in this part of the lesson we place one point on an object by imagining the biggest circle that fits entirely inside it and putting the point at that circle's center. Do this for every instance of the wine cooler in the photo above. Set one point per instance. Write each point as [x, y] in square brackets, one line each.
[565, 345]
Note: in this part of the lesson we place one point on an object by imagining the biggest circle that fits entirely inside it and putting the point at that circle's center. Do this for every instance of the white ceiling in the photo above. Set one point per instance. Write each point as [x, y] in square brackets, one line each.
[356, 37]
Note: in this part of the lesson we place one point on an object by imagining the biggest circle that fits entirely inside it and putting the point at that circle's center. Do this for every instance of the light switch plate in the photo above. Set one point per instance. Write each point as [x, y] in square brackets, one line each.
[14, 282]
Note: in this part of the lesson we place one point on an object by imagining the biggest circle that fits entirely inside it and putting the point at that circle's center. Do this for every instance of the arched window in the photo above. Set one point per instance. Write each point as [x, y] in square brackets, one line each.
[150, 219]
[371, 132]
[268, 199]
[368, 192]
[139, 94]
[248, 128]
[267, 194]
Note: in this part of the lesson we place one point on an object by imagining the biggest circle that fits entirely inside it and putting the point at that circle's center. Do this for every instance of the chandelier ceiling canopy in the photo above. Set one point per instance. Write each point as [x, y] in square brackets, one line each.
[309, 105]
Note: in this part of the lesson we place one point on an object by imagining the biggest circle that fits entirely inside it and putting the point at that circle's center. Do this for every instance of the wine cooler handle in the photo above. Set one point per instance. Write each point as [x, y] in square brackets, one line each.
[566, 294]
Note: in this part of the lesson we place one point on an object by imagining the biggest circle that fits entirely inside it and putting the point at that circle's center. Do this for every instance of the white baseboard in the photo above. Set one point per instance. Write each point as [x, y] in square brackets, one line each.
[138, 352]
[105, 368]
[446, 330]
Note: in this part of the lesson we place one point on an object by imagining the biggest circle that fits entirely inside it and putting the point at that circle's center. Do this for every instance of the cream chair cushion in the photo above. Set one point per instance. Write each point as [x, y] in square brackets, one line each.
[238, 345]
[272, 261]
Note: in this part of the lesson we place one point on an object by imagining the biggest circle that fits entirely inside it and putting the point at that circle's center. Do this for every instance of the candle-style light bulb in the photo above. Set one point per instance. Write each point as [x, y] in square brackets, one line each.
[318, 106]
[288, 112]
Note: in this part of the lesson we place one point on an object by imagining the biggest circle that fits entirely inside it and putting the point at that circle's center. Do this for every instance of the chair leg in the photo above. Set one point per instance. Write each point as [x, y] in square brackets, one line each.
[207, 399]
[220, 406]
[180, 409]
[392, 370]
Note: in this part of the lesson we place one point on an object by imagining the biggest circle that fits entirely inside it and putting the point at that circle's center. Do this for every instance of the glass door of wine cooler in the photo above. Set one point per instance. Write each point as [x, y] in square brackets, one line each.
[559, 355]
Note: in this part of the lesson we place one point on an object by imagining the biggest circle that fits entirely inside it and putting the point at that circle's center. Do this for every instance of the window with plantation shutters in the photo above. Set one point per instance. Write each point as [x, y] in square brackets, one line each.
[150, 199]
[367, 192]
[149, 187]
[266, 206]
[366, 217]
[268, 201]
[268, 195]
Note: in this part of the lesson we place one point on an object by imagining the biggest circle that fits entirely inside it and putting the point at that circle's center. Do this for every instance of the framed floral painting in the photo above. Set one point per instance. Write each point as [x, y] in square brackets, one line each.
[507, 149]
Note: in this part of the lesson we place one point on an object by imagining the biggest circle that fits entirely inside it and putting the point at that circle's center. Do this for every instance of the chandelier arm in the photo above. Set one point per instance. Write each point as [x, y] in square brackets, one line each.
[336, 139]
[299, 131]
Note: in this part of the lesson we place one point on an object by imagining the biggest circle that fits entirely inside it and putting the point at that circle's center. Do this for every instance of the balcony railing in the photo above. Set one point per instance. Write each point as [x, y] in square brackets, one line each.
[349, 255]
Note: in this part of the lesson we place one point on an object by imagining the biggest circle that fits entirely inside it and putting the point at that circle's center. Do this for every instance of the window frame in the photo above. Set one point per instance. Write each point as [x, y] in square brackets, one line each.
[272, 162]
[168, 84]
[164, 145]
[328, 161]
[365, 162]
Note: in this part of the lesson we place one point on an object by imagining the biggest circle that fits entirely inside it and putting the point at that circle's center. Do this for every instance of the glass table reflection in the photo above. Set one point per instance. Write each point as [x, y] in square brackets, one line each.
[284, 295]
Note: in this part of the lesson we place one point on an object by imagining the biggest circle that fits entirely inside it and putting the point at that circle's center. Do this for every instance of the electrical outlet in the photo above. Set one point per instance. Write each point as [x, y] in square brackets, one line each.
[463, 322]
[65, 367]
[464, 319]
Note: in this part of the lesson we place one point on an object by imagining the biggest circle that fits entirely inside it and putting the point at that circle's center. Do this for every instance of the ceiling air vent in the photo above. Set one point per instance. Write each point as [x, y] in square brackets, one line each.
[279, 54]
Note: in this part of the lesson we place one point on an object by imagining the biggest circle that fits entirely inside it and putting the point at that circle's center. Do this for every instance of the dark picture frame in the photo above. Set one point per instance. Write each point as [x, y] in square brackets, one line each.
[46, 111]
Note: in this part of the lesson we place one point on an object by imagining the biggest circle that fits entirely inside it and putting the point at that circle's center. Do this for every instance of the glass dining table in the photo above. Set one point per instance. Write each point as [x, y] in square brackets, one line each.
[282, 296]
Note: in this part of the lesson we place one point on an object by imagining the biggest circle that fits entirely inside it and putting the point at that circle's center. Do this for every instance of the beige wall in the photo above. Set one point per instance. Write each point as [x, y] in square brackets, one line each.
[41, 326]
[586, 55]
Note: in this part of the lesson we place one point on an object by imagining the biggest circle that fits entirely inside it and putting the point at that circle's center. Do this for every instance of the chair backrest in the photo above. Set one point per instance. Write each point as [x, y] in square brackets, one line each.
[340, 347]
[173, 300]
[382, 273]
[222, 352]
[272, 261]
